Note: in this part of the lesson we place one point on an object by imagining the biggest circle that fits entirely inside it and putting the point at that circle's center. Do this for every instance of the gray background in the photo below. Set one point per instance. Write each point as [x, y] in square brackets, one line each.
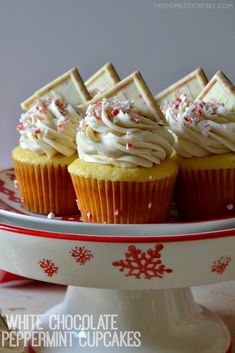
[39, 40]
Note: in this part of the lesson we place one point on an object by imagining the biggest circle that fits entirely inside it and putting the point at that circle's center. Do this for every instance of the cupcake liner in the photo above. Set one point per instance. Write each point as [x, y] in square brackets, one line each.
[205, 194]
[46, 188]
[120, 202]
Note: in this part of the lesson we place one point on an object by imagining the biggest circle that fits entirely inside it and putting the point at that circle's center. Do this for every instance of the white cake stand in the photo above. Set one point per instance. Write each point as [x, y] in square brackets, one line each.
[143, 278]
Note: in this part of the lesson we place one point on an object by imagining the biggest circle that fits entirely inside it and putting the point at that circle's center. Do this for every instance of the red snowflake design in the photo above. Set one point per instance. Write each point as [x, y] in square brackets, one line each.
[81, 254]
[4, 206]
[48, 267]
[143, 264]
[11, 176]
[9, 193]
[220, 265]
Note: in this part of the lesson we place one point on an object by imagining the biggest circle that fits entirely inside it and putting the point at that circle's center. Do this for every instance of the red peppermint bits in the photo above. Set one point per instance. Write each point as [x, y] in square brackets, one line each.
[97, 114]
[188, 119]
[116, 212]
[129, 145]
[20, 126]
[179, 100]
[62, 106]
[60, 126]
[115, 111]
[42, 108]
[59, 103]
[137, 119]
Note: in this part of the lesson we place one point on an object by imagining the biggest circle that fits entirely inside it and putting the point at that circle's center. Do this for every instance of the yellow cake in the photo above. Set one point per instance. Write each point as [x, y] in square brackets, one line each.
[47, 147]
[123, 195]
[206, 187]
[115, 181]
[44, 184]
[205, 146]
[218, 161]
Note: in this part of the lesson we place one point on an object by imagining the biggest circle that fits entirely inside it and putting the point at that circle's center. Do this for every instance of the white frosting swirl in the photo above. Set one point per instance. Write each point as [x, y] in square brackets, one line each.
[49, 127]
[114, 134]
[202, 128]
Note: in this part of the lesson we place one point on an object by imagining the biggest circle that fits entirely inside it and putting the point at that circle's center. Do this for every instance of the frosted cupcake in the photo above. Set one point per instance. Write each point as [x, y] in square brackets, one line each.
[124, 173]
[205, 147]
[47, 146]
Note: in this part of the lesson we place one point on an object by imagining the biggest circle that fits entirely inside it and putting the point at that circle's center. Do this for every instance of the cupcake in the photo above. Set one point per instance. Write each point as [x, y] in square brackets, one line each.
[124, 173]
[205, 147]
[47, 147]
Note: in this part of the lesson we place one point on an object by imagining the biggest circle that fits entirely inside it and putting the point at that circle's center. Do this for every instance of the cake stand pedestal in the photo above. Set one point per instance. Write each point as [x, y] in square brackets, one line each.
[168, 321]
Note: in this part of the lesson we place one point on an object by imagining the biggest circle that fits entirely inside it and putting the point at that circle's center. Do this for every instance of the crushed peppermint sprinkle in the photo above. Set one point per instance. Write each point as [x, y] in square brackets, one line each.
[115, 111]
[129, 145]
[51, 215]
[62, 106]
[15, 184]
[96, 114]
[150, 205]
[179, 100]
[96, 107]
[137, 119]
[88, 214]
[60, 126]
[128, 134]
[192, 112]
[206, 129]
[230, 207]
[39, 126]
[150, 177]
[116, 212]
[42, 105]
[20, 126]
[104, 101]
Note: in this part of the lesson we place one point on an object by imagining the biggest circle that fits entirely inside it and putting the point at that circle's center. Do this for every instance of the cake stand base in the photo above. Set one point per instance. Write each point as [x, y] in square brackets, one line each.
[169, 321]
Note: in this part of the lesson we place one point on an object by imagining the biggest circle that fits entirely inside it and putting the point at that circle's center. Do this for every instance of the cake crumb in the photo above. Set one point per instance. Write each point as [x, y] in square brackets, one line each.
[150, 177]
[51, 215]
[230, 207]
[116, 212]
[88, 214]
